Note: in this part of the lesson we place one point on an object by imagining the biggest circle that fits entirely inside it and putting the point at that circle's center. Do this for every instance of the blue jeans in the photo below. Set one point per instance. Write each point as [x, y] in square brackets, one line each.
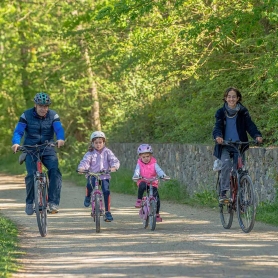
[227, 165]
[50, 161]
[105, 190]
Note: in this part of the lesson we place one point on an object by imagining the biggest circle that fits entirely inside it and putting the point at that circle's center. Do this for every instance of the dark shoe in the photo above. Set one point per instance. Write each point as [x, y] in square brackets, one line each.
[87, 201]
[29, 209]
[108, 216]
[223, 198]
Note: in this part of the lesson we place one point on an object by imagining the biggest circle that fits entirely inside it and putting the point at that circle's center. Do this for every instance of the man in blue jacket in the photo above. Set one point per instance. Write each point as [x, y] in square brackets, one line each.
[38, 125]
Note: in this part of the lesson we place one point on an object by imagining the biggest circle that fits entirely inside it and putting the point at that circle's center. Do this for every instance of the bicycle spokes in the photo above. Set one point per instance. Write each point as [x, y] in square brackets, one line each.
[246, 208]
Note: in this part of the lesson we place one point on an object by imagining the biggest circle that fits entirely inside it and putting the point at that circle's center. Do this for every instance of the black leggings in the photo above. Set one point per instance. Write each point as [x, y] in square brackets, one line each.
[142, 188]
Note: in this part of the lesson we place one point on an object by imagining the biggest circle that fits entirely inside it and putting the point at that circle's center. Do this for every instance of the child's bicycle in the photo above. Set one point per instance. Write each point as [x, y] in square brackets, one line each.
[241, 198]
[96, 196]
[147, 211]
[40, 183]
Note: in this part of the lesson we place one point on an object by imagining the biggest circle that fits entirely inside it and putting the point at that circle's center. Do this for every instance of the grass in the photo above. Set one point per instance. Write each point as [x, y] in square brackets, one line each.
[267, 213]
[9, 250]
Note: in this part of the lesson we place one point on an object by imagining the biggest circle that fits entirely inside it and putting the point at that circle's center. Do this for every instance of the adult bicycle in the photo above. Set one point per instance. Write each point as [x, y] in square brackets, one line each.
[41, 183]
[97, 199]
[147, 211]
[241, 196]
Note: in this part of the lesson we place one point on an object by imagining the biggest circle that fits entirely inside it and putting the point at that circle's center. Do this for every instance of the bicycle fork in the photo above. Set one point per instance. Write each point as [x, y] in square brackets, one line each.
[93, 198]
[40, 176]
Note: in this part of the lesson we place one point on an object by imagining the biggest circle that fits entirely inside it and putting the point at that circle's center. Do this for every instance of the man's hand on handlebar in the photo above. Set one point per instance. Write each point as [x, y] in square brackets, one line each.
[15, 147]
[60, 143]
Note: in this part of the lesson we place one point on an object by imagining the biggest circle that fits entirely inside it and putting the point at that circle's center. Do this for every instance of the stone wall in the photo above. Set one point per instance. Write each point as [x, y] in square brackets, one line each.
[192, 165]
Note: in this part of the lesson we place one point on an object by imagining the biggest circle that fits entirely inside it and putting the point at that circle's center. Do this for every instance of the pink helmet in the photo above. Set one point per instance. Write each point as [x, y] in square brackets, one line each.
[144, 148]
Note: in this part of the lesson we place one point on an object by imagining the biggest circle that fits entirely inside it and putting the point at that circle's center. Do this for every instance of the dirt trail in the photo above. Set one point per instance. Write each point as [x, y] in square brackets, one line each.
[188, 243]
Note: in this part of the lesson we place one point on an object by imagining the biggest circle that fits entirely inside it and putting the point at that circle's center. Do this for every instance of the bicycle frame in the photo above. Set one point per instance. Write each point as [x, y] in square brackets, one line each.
[97, 206]
[240, 168]
[96, 192]
[40, 184]
[146, 201]
[242, 198]
[147, 211]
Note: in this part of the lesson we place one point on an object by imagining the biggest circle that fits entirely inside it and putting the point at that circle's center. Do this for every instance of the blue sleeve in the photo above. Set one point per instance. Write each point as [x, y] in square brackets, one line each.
[159, 171]
[59, 130]
[136, 171]
[18, 133]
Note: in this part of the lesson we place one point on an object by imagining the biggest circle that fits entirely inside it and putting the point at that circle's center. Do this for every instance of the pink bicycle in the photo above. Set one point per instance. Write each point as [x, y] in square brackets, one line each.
[96, 197]
[147, 211]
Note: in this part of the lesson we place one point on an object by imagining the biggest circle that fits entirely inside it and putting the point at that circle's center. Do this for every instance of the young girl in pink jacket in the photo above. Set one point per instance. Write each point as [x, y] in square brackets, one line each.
[147, 167]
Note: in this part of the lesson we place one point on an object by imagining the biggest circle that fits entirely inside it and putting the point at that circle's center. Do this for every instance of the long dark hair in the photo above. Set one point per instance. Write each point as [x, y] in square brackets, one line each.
[238, 93]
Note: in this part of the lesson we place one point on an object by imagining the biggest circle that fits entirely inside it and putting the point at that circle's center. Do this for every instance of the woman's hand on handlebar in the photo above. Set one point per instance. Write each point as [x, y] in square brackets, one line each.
[259, 139]
[219, 140]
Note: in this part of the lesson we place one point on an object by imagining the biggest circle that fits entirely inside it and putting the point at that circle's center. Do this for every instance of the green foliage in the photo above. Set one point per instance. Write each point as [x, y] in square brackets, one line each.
[8, 247]
[205, 198]
[267, 213]
[160, 67]
[121, 182]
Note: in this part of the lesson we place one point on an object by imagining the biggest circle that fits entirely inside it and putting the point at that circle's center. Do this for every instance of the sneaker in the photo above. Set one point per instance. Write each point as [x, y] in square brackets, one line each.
[138, 203]
[29, 209]
[87, 201]
[158, 218]
[108, 216]
[53, 208]
[223, 198]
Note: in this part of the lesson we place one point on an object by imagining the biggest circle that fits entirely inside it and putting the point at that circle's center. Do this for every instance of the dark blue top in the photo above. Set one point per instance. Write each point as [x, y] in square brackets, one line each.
[244, 124]
[38, 129]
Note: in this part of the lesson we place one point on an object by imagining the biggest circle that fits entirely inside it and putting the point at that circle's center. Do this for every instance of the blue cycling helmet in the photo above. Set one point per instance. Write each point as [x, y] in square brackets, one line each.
[42, 99]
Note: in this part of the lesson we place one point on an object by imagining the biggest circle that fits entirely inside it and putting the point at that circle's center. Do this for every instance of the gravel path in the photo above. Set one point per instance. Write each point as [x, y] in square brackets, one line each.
[188, 243]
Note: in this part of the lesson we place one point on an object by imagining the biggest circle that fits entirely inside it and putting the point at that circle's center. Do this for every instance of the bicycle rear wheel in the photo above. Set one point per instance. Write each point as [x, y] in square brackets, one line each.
[97, 213]
[152, 215]
[226, 210]
[246, 204]
[40, 196]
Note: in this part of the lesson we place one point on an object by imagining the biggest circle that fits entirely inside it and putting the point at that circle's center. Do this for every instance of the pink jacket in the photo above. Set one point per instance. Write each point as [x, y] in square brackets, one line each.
[148, 170]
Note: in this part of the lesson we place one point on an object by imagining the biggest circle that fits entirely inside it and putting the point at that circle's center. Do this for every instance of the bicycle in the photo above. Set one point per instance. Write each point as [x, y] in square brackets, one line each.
[241, 197]
[147, 211]
[40, 183]
[96, 197]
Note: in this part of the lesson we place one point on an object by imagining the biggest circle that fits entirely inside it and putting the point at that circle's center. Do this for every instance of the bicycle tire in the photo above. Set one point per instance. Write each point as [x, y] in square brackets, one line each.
[152, 215]
[146, 218]
[246, 204]
[97, 213]
[40, 193]
[226, 211]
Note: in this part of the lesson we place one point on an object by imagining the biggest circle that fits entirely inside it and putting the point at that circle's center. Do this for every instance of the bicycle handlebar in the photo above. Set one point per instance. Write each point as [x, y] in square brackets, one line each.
[23, 147]
[94, 174]
[236, 144]
[152, 179]
[229, 142]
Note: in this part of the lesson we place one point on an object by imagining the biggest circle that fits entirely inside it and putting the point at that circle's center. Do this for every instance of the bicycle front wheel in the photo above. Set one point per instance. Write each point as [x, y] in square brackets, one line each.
[246, 204]
[97, 213]
[226, 210]
[152, 215]
[40, 196]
